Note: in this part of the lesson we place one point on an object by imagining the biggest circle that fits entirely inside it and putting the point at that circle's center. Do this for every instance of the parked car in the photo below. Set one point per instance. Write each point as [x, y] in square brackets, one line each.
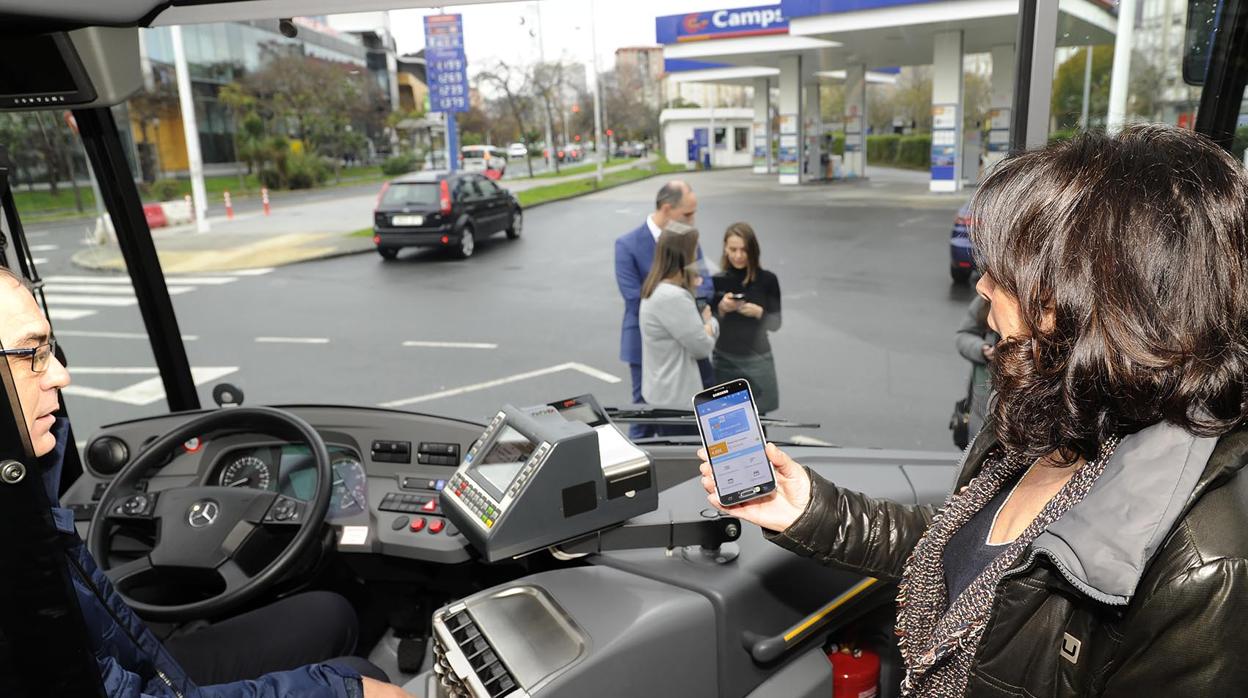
[517, 151]
[961, 253]
[441, 209]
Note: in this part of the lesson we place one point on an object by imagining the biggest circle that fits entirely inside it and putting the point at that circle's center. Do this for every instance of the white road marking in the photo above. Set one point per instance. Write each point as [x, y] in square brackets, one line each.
[250, 272]
[116, 370]
[144, 392]
[450, 345]
[106, 289]
[625, 211]
[111, 301]
[69, 314]
[570, 366]
[39, 260]
[292, 340]
[44, 248]
[114, 335]
[125, 280]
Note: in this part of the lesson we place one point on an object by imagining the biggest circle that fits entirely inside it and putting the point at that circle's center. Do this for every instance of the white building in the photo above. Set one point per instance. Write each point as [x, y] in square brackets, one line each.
[731, 129]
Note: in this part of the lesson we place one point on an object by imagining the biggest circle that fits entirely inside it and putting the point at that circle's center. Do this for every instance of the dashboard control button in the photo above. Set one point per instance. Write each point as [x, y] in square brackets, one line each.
[417, 525]
[430, 506]
[400, 522]
[437, 525]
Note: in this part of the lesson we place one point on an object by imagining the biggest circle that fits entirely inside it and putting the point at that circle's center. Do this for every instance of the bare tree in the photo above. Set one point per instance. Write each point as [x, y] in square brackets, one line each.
[504, 77]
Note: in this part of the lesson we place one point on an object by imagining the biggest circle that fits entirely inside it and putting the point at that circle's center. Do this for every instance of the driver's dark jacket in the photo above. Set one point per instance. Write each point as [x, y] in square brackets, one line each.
[131, 659]
[1139, 590]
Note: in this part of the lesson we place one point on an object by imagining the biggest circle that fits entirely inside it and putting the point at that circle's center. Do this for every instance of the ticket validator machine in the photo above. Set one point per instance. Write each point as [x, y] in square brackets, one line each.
[545, 475]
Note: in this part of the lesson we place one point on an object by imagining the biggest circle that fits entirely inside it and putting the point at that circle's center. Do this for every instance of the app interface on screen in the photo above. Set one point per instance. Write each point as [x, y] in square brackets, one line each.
[734, 442]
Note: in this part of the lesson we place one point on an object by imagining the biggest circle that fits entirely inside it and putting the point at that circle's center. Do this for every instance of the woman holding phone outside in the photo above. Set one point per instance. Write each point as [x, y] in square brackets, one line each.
[747, 301]
[674, 333]
[1093, 543]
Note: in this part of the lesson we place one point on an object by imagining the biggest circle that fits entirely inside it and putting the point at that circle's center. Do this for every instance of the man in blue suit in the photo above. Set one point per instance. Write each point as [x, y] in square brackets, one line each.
[634, 253]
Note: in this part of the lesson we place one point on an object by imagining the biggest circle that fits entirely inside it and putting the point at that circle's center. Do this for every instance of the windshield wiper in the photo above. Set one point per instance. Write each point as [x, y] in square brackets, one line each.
[672, 415]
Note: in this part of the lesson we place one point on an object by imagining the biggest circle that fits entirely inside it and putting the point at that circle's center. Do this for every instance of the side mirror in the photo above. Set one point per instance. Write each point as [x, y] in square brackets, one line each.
[1202, 18]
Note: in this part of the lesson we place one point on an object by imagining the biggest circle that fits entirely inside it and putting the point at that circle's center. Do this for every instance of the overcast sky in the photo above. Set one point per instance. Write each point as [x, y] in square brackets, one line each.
[494, 31]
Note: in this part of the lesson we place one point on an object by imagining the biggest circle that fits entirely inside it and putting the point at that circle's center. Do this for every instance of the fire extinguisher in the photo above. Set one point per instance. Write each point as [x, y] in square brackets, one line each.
[855, 672]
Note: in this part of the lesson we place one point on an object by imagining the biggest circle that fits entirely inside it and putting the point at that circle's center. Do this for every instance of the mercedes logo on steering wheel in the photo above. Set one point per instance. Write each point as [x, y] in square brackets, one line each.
[203, 513]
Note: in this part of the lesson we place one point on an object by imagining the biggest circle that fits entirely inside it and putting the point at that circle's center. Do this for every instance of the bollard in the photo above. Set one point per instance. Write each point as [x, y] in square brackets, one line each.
[264, 198]
[229, 207]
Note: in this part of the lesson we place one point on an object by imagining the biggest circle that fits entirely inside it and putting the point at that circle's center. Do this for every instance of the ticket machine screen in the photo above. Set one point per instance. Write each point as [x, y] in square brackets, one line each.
[498, 466]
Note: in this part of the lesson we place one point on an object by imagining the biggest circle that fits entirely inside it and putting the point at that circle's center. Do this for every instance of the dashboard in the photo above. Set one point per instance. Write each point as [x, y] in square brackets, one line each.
[289, 469]
[389, 467]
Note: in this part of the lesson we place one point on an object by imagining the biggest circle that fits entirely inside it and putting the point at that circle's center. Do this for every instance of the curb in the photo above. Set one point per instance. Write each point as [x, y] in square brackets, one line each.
[595, 191]
[79, 258]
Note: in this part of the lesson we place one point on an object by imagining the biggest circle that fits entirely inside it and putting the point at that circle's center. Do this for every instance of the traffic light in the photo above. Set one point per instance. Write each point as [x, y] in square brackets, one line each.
[610, 132]
[577, 138]
[576, 109]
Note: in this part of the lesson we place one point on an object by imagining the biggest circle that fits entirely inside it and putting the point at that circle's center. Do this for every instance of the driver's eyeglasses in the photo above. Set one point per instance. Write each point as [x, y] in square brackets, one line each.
[40, 356]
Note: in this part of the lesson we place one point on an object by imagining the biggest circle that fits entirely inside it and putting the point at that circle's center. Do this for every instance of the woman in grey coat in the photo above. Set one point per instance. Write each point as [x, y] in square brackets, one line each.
[674, 333]
[975, 342]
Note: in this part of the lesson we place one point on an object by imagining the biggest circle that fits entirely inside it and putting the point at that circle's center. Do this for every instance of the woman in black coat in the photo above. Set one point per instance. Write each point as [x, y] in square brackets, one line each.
[747, 301]
[1093, 544]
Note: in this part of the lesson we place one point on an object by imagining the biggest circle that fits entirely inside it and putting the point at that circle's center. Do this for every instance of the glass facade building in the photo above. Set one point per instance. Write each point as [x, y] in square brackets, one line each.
[217, 54]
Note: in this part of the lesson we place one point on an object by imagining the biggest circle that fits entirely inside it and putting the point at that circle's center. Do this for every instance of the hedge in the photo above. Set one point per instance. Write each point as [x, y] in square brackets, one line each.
[891, 150]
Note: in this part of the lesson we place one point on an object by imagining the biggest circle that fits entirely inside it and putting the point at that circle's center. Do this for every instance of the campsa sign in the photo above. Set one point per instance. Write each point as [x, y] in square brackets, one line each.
[721, 24]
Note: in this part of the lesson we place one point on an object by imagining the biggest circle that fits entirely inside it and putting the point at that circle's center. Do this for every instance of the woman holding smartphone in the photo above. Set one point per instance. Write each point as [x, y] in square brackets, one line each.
[1093, 544]
[674, 333]
[747, 301]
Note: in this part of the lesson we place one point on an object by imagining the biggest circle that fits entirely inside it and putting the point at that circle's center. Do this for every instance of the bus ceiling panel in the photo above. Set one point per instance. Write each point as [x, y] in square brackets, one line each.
[91, 67]
[60, 15]
[198, 12]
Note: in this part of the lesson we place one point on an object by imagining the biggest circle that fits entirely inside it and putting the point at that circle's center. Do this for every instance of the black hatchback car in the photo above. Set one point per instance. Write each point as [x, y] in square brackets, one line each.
[442, 209]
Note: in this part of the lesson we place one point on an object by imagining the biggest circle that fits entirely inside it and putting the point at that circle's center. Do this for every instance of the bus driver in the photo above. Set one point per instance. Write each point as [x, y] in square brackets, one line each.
[239, 657]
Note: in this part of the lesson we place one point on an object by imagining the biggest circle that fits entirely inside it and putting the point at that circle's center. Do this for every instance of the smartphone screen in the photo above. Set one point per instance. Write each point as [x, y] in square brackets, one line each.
[733, 437]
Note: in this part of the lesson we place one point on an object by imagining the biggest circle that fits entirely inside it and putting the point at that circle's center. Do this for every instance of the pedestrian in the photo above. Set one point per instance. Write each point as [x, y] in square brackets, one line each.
[747, 301]
[314, 632]
[675, 332]
[634, 252]
[977, 342]
[1093, 543]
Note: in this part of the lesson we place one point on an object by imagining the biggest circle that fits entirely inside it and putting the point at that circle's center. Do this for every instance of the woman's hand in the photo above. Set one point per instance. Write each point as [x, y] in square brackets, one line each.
[776, 511]
[377, 689]
[728, 304]
[753, 310]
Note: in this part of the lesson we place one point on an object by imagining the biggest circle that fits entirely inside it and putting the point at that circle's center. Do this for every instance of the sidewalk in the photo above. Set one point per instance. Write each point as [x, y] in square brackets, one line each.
[297, 230]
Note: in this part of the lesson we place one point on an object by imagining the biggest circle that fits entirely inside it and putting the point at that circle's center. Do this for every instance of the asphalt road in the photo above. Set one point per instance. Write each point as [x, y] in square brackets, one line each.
[866, 348]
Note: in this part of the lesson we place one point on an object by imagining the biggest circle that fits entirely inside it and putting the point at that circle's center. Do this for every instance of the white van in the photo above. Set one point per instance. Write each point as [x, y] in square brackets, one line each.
[483, 158]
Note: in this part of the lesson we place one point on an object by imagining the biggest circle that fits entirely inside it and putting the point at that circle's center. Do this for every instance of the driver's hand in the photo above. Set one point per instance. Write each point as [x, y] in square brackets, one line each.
[376, 689]
[776, 511]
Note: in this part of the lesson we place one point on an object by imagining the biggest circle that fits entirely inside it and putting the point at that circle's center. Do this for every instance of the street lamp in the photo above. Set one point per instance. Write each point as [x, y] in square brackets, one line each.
[536, 33]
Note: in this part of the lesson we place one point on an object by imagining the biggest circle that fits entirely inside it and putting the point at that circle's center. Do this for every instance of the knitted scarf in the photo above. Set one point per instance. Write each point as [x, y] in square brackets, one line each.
[938, 639]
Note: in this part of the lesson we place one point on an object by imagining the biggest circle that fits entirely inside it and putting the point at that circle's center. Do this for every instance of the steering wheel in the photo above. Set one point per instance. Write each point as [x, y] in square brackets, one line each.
[203, 528]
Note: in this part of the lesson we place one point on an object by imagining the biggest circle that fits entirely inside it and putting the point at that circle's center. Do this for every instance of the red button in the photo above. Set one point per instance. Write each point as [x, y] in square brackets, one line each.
[436, 526]
[431, 505]
[417, 525]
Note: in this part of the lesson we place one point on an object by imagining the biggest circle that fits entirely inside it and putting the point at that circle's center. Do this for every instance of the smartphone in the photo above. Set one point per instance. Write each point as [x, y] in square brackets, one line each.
[701, 303]
[733, 436]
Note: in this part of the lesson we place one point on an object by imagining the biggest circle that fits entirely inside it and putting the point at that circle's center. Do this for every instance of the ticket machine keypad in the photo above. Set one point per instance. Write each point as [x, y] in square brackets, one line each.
[475, 500]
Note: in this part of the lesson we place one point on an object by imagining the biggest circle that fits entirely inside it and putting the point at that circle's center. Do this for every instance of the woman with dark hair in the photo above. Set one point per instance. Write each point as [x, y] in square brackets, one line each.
[675, 334]
[1094, 541]
[747, 300]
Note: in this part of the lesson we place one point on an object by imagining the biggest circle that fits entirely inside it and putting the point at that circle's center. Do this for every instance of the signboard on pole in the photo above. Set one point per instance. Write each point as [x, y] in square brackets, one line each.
[446, 67]
[446, 70]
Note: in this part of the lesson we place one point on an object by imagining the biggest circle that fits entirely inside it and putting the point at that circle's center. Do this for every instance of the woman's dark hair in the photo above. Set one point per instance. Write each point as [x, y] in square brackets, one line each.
[1129, 260]
[675, 252]
[752, 255]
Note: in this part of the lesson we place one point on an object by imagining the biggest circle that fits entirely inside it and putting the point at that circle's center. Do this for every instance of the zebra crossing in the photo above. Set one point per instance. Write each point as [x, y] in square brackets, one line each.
[75, 297]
